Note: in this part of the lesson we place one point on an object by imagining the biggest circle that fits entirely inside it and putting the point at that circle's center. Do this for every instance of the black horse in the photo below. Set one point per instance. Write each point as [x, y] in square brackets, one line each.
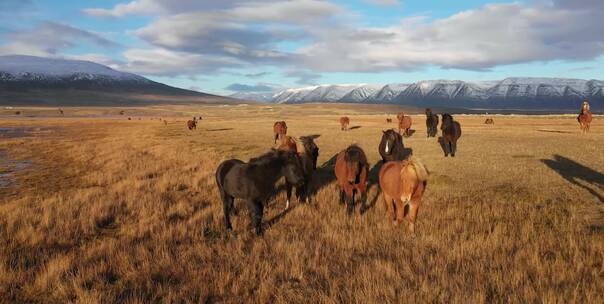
[451, 132]
[308, 157]
[391, 147]
[431, 122]
[255, 181]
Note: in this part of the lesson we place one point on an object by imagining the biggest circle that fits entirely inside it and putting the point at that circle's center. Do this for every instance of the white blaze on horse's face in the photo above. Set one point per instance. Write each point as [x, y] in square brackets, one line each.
[387, 149]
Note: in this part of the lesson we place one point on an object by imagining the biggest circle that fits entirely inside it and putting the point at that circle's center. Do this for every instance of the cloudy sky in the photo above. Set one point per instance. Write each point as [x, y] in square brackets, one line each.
[260, 45]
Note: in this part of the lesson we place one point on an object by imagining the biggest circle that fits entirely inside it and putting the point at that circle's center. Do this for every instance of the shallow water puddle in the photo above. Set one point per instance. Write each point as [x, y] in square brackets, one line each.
[8, 167]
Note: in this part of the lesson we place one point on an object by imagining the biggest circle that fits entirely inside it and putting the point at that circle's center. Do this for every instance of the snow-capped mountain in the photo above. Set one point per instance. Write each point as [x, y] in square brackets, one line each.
[254, 96]
[517, 93]
[37, 80]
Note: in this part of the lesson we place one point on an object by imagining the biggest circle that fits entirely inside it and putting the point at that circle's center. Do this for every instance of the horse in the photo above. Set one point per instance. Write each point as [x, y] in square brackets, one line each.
[61, 112]
[489, 121]
[388, 120]
[402, 183]
[400, 116]
[351, 172]
[584, 117]
[129, 118]
[451, 131]
[200, 118]
[165, 122]
[122, 112]
[192, 124]
[344, 122]
[391, 147]
[286, 143]
[404, 123]
[255, 181]
[431, 123]
[279, 128]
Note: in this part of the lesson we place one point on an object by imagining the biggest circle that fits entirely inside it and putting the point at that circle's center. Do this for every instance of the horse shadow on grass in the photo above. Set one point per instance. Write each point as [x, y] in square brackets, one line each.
[354, 127]
[221, 129]
[574, 172]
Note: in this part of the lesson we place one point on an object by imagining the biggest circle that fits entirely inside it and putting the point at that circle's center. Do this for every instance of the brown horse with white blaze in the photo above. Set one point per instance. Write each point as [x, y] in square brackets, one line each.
[279, 129]
[403, 183]
[351, 172]
[584, 117]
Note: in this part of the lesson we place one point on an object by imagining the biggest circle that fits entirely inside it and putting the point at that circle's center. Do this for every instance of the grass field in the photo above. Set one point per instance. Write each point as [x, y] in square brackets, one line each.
[98, 209]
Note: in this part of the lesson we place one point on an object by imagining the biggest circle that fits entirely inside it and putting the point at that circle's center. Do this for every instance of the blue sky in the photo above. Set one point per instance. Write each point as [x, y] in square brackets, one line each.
[257, 45]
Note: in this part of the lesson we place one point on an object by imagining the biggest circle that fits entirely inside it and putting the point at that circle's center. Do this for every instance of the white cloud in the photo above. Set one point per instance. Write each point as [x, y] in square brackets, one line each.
[383, 2]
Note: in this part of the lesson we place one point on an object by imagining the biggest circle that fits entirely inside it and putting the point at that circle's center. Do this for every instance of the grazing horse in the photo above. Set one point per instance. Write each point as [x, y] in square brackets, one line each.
[351, 171]
[584, 117]
[279, 128]
[122, 112]
[402, 183]
[192, 124]
[344, 122]
[165, 122]
[389, 120]
[391, 147]
[431, 122]
[451, 132]
[489, 121]
[404, 124]
[255, 181]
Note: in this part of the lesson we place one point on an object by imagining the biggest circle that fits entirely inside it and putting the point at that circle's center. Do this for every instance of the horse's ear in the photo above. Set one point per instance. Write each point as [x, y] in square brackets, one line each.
[384, 131]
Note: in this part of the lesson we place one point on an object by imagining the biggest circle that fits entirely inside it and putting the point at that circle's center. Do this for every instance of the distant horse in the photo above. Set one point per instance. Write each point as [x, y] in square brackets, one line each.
[308, 151]
[404, 124]
[351, 172]
[451, 132]
[391, 147]
[489, 121]
[255, 181]
[400, 116]
[165, 122]
[389, 120]
[17, 112]
[431, 122]
[61, 112]
[279, 128]
[344, 122]
[129, 118]
[402, 183]
[122, 112]
[192, 124]
[584, 117]
[200, 118]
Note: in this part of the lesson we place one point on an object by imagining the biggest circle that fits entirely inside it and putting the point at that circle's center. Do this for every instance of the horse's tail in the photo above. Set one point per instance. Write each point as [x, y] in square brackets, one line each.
[420, 170]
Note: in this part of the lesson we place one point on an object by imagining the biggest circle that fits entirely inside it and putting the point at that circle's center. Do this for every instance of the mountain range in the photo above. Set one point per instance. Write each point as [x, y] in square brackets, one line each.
[30, 80]
[510, 93]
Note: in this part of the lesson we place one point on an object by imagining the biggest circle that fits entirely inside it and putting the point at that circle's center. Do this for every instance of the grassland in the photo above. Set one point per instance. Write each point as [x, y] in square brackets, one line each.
[111, 210]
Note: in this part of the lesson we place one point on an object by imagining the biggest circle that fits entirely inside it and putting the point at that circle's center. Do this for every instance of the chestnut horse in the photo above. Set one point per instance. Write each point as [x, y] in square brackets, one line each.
[351, 172]
[192, 124]
[389, 120]
[279, 128]
[431, 122]
[344, 122]
[489, 121]
[451, 132]
[402, 183]
[286, 143]
[404, 124]
[584, 117]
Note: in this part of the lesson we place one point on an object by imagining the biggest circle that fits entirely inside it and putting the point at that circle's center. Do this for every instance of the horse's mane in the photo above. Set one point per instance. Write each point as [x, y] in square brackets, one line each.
[266, 158]
[418, 167]
[355, 154]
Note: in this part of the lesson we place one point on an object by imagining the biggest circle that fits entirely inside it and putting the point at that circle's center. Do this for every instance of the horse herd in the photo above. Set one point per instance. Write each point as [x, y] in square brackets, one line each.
[402, 177]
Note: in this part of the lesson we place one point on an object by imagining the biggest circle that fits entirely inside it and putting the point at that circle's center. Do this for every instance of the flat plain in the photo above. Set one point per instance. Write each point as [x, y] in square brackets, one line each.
[96, 208]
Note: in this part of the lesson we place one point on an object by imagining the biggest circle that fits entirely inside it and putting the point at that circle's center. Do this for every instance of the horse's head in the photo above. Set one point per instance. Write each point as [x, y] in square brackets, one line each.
[355, 161]
[447, 119]
[390, 138]
[585, 106]
[310, 148]
[292, 168]
[428, 111]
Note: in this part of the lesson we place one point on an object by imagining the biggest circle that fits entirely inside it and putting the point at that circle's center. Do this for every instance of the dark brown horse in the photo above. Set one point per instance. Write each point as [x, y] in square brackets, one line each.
[255, 181]
[584, 117]
[308, 152]
[391, 146]
[351, 172]
[192, 124]
[431, 123]
[489, 121]
[389, 120]
[451, 132]
[61, 111]
[404, 124]
[344, 122]
[279, 128]
[402, 183]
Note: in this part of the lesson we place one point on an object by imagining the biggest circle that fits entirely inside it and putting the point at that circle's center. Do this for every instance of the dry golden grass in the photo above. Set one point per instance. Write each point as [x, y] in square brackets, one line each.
[112, 210]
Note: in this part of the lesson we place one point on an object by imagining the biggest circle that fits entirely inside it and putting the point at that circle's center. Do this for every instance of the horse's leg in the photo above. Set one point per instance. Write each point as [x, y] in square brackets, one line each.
[413, 208]
[389, 206]
[350, 196]
[342, 196]
[446, 141]
[227, 206]
[256, 208]
[363, 192]
[288, 187]
[400, 212]
[453, 147]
